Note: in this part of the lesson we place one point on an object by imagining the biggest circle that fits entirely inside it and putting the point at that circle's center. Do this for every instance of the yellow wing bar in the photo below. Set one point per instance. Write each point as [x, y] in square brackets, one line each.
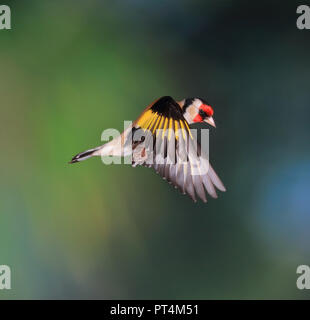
[153, 121]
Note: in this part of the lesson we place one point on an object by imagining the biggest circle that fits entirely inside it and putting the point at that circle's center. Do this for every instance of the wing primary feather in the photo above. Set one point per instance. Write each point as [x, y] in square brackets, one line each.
[215, 179]
[209, 186]
[167, 169]
[189, 187]
[155, 126]
[154, 117]
[164, 129]
[172, 175]
[160, 125]
[199, 187]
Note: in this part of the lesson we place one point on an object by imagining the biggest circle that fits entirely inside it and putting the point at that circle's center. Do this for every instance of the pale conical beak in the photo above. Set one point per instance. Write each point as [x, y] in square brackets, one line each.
[210, 120]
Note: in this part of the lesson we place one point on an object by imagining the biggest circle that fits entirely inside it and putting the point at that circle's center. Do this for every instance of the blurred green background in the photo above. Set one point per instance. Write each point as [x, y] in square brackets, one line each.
[70, 69]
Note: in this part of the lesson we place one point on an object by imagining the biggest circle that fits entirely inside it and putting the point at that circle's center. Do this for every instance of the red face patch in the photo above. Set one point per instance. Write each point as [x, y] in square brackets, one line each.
[198, 118]
[207, 109]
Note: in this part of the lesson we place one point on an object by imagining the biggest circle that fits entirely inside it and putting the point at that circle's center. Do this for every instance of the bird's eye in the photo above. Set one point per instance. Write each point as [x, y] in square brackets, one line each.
[202, 113]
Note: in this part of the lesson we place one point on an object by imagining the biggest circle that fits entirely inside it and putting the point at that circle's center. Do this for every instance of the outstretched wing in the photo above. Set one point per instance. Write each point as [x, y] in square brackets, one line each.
[162, 139]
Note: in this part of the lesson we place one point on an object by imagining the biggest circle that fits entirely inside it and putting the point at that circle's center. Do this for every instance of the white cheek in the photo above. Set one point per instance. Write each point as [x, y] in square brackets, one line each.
[190, 113]
[197, 103]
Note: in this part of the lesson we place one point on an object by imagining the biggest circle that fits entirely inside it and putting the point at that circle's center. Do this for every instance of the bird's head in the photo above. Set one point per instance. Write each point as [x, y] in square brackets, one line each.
[197, 110]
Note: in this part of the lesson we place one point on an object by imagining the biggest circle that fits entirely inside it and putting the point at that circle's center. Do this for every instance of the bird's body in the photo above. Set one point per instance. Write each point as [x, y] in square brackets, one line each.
[161, 138]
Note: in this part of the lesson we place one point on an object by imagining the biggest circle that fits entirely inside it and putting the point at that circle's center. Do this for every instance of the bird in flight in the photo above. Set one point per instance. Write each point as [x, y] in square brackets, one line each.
[161, 138]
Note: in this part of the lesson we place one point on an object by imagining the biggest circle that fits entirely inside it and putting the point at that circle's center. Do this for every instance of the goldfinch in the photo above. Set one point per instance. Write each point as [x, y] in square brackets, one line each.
[162, 139]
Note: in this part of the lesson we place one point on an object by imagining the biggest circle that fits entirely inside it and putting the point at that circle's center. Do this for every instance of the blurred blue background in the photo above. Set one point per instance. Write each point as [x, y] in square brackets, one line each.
[70, 69]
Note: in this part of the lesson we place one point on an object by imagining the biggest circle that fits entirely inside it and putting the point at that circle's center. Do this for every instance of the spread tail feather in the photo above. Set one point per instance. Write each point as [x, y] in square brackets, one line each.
[84, 155]
[104, 150]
